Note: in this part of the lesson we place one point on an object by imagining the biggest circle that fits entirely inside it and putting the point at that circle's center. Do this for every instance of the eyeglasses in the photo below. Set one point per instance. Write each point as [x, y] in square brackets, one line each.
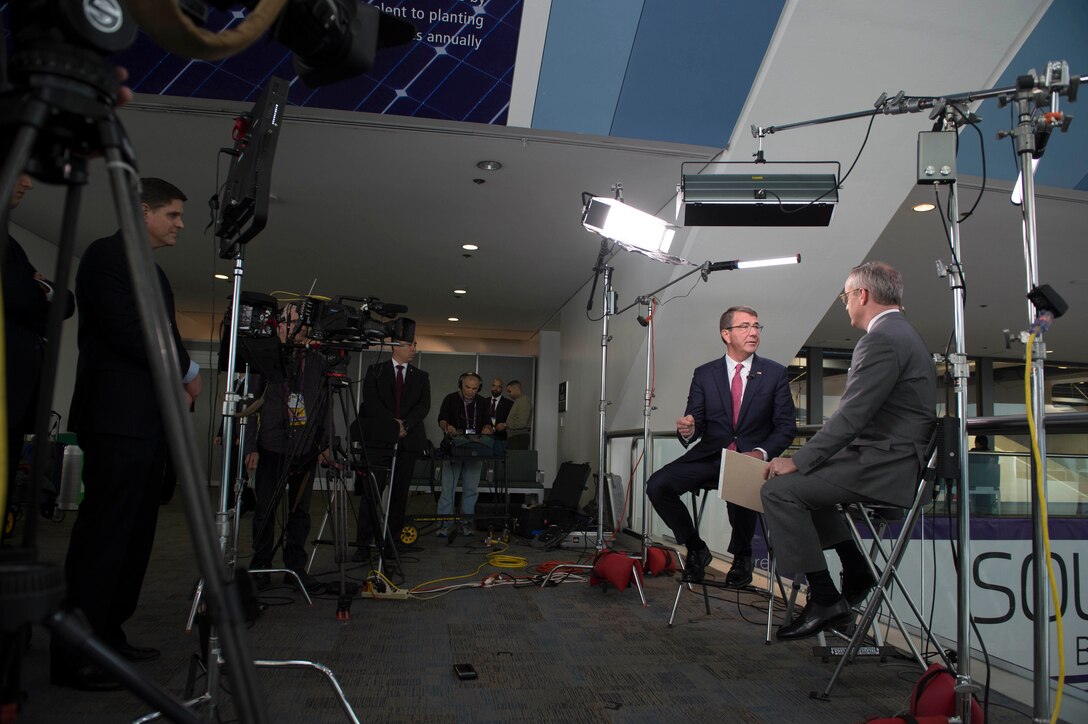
[845, 296]
[746, 328]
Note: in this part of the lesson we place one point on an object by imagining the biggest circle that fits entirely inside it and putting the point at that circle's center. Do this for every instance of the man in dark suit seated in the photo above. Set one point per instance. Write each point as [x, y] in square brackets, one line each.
[738, 402]
[116, 412]
[396, 400]
[871, 449]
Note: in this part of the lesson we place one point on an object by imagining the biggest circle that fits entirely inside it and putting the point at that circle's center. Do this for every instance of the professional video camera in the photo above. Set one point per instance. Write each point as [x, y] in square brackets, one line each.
[332, 39]
[350, 322]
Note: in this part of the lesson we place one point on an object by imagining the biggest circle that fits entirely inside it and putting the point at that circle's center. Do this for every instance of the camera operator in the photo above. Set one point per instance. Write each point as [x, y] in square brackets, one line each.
[462, 413]
[116, 413]
[290, 438]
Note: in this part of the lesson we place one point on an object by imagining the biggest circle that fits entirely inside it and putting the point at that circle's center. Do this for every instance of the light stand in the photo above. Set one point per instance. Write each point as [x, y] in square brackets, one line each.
[1029, 140]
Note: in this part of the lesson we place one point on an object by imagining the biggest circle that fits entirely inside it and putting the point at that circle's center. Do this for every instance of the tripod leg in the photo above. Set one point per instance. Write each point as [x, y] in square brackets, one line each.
[73, 630]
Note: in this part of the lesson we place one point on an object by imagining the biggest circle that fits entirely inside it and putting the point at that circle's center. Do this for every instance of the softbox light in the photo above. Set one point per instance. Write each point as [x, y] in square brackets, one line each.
[758, 199]
[632, 229]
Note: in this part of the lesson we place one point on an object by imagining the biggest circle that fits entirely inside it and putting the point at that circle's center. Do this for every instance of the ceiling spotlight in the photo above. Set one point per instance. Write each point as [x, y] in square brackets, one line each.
[453, 319]
[489, 165]
[460, 291]
[224, 277]
[469, 247]
[923, 207]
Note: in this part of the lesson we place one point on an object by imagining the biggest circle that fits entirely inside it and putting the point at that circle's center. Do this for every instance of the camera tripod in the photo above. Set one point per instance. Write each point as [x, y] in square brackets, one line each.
[211, 661]
[61, 113]
[353, 458]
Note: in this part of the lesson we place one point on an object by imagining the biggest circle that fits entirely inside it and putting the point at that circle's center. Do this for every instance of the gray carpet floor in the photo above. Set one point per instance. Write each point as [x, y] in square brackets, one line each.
[568, 653]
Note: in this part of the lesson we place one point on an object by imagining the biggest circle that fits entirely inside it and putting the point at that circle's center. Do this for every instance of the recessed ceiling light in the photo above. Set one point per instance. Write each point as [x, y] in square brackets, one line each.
[453, 319]
[460, 291]
[924, 207]
[469, 247]
[222, 276]
[489, 165]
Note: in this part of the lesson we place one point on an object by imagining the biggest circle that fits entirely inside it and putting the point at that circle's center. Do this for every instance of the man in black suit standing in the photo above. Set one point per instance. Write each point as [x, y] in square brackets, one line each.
[116, 413]
[871, 449]
[498, 408]
[739, 402]
[396, 399]
[27, 297]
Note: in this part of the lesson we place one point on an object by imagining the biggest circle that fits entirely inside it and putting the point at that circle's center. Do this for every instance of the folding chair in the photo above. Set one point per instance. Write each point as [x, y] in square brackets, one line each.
[883, 564]
[697, 509]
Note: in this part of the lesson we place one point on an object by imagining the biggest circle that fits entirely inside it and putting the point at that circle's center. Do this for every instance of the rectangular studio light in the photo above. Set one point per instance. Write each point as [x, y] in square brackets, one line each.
[759, 199]
[616, 220]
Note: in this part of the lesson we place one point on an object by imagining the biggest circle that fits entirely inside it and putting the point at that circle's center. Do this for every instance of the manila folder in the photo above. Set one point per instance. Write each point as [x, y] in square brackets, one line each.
[741, 479]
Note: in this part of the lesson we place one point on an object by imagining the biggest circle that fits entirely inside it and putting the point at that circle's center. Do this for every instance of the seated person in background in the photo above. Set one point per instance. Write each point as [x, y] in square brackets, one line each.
[741, 402]
[519, 421]
[462, 413]
[871, 449]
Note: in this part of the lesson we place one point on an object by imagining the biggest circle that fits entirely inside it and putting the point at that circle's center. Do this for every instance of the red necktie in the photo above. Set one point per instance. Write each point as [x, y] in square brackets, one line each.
[400, 386]
[736, 389]
[494, 404]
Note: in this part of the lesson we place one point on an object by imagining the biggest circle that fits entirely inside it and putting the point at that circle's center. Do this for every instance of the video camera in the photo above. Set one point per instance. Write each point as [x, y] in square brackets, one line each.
[350, 322]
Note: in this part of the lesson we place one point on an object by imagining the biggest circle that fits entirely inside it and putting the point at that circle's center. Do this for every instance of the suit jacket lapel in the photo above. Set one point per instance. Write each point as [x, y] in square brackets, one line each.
[721, 381]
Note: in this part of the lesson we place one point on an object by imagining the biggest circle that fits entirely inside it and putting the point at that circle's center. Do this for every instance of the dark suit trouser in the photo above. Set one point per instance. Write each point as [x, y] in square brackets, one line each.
[682, 476]
[111, 540]
[398, 500]
[803, 520]
[297, 492]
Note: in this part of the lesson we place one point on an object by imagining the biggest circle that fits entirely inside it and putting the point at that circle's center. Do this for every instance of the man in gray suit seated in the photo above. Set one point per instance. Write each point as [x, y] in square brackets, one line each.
[871, 449]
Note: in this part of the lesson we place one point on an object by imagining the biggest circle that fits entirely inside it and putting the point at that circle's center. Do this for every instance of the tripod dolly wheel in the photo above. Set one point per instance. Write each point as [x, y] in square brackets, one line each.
[408, 535]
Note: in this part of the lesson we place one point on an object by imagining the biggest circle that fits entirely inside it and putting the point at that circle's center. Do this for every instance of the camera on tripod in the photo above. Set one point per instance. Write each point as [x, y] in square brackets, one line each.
[351, 323]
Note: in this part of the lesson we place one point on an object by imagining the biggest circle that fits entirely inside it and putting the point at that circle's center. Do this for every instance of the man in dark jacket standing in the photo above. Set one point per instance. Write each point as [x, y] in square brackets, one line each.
[27, 297]
[116, 413]
[396, 399]
[290, 439]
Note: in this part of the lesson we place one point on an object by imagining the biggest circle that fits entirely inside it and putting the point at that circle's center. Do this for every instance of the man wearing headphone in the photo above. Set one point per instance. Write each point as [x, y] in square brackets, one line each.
[462, 413]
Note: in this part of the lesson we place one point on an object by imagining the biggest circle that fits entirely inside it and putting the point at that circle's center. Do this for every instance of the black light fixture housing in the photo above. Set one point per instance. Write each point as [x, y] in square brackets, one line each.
[758, 199]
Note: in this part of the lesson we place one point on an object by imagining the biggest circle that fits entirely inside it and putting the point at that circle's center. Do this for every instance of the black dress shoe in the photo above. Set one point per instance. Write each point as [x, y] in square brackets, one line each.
[695, 565]
[856, 586]
[136, 653]
[740, 574]
[816, 618]
[84, 678]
